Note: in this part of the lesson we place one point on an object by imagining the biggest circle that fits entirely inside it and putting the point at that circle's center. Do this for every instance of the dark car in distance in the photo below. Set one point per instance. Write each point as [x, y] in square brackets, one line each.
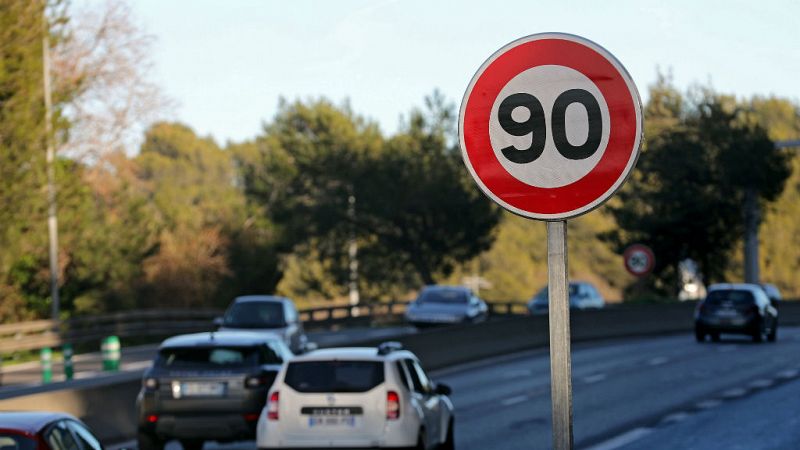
[439, 305]
[266, 314]
[45, 431]
[736, 308]
[207, 386]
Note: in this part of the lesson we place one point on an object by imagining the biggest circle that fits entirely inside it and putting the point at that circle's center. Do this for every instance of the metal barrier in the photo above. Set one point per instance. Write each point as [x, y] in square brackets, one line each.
[40, 334]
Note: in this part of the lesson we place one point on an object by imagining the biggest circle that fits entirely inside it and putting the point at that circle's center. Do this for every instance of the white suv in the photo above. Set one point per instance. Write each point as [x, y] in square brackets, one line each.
[356, 398]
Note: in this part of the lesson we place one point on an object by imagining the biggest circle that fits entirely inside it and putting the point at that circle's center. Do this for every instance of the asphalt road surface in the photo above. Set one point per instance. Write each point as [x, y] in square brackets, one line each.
[654, 393]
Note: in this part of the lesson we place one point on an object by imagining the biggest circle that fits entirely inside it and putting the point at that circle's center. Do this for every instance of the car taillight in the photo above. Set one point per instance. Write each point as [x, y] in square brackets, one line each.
[272, 406]
[392, 405]
[150, 383]
[251, 417]
[257, 381]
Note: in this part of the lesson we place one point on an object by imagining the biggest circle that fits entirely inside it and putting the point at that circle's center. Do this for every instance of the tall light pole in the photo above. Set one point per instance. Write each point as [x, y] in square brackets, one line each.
[752, 220]
[52, 220]
[352, 253]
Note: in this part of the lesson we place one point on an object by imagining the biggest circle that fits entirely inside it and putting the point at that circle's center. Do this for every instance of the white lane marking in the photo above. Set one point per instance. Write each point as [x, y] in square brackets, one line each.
[657, 361]
[728, 348]
[708, 404]
[122, 445]
[786, 374]
[760, 384]
[136, 365]
[623, 439]
[87, 374]
[594, 378]
[517, 373]
[675, 417]
[514, 400]
[735, 392]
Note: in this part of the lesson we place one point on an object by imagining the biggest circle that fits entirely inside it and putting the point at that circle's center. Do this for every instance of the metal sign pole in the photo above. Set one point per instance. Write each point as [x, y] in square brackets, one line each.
[560, 359]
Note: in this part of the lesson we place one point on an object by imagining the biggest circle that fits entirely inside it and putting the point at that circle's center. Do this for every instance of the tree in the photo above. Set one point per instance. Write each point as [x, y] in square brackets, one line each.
[420, 202]
[417, 212]
[101, 71]
[191, 183]
[22, 154]
[686, 198]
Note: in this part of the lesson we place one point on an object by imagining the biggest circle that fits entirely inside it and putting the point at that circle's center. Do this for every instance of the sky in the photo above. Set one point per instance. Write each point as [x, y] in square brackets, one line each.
[227, 63]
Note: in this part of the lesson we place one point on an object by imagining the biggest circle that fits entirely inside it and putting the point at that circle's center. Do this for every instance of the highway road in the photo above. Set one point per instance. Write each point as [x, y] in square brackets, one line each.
[655, 393]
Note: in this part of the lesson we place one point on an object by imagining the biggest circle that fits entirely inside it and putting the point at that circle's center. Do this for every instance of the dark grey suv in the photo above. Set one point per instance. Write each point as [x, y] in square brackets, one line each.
[266, 313]
[207, 386]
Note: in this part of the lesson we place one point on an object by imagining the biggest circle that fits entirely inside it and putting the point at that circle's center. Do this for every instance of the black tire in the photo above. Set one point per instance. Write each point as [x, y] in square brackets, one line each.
[773, 333]
[420, 440]
[715, 336]
[192, 444]
[758, 332]
[450, 441]
[147, 441]
[699, 335]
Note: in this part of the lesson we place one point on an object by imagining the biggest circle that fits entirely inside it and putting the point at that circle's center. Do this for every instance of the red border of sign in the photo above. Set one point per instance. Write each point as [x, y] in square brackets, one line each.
[651, 257]
[624, 138]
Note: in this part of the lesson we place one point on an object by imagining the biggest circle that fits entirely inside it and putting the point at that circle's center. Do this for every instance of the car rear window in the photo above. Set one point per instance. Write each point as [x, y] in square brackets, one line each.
[207, 357]
[444, 296]
[255, 315]
[15, 442]
[334, 376]
[736, 297]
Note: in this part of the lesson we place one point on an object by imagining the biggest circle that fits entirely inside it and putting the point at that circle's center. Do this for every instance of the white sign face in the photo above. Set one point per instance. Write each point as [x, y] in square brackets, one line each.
[550, 126]
[551, 169]
[639, 260]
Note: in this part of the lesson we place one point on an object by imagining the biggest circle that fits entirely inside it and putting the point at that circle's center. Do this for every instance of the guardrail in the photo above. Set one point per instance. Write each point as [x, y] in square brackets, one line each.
[163, 322]
[38, 334]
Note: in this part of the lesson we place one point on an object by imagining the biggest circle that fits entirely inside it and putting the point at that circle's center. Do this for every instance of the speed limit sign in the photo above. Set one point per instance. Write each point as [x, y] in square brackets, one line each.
[550, 126]
[639, 260]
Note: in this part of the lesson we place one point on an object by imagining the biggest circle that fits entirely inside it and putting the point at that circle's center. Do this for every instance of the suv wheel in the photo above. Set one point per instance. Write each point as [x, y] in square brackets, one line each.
[192, 444]
[699, 334]
[449, 442]
[147, 441]
[758, 332]
[420, 440]
[773, 333]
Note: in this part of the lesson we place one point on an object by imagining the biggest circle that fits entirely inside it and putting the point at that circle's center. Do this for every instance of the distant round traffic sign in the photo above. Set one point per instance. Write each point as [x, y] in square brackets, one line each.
[550, 126]
[639, 260]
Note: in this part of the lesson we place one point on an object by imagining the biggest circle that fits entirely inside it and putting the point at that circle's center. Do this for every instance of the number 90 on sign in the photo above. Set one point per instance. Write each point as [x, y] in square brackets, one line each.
[549, 126]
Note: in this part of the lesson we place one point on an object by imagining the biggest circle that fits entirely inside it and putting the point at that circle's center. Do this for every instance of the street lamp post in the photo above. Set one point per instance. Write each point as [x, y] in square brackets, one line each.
[52, 219]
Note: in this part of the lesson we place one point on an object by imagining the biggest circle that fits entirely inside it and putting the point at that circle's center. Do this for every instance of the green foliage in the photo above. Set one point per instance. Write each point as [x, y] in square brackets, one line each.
[686, 198]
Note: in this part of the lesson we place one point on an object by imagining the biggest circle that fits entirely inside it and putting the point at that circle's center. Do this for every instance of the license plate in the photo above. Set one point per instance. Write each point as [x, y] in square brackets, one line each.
[331, 421]
[727, 313]
[202, 389]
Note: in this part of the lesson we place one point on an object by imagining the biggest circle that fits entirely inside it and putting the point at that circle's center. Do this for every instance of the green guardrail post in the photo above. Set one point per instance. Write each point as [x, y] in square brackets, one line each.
[69, 370]
[46, 357]
[111, 353]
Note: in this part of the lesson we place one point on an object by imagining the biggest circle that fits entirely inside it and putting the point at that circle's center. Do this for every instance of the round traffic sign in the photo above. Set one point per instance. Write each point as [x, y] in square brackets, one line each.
[550, 126]
[639, 260]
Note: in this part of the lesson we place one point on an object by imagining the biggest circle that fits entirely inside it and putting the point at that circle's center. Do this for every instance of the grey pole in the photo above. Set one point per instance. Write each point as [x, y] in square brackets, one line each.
[752, 220]
[352, 253]
[560, 359]
[52, 220]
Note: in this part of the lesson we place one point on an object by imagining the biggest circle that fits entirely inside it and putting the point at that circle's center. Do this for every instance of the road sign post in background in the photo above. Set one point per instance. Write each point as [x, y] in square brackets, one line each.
[550, 127]
[639, 260]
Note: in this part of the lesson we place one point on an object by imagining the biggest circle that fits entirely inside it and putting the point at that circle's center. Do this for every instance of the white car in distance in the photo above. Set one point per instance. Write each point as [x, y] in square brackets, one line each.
[356, 398]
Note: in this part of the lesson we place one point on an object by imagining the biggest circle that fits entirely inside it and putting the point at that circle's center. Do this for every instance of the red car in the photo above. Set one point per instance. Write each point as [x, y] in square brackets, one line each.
[45, 431]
